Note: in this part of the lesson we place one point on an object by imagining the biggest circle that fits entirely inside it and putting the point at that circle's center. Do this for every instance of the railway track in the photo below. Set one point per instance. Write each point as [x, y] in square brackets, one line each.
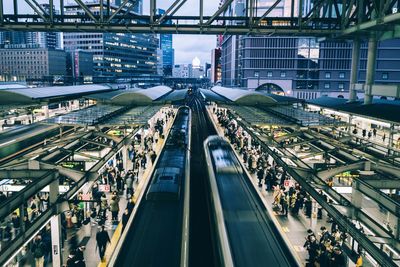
[201, 250]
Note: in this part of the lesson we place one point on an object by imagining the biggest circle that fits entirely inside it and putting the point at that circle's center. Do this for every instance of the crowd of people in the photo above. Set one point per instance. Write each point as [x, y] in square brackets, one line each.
[120, 183]
[287, 197]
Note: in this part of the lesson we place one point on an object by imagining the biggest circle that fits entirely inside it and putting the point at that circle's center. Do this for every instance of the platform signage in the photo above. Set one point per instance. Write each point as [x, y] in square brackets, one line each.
[104, 188]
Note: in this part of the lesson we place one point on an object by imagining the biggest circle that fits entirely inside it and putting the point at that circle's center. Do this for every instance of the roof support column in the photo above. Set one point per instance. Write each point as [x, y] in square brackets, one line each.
[356, 198]
[55, 225]
[355, 59]
[370, 75]
[391, 132]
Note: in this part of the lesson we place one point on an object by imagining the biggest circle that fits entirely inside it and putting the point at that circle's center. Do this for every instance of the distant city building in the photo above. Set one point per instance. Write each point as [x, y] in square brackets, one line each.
[114, 54]
[79, 64]
[194, 70]
[166, 46]
[197, 69]
[182, 71]
[22, 62]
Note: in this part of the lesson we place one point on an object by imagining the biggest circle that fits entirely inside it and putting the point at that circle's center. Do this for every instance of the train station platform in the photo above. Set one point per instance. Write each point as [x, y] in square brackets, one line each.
[293, 227]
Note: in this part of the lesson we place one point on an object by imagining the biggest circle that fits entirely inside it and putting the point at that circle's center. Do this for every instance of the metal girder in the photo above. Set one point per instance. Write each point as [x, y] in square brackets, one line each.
[379, 197]
[86, 9]
[38, 9]
[22, 196]
[176, 5]
[119, 9]
[16, 244]
[70, 173]
[1, 12]
[224, 6]
[383, 184]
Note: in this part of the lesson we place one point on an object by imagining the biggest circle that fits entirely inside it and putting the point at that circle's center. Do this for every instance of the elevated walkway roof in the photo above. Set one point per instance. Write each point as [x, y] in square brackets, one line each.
[387, 110]
[133, 96]
[30, 95]
[244, 97]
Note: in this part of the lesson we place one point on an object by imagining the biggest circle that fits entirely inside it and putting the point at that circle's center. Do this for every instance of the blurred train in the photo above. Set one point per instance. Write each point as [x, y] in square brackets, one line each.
[241, 226]
[170, 170]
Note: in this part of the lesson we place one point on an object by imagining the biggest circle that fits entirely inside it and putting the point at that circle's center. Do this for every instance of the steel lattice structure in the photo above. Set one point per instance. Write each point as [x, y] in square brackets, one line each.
[330, 18]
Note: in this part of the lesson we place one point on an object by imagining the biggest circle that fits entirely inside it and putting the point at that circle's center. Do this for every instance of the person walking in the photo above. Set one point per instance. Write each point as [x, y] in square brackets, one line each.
[102, 239]
[38, 251]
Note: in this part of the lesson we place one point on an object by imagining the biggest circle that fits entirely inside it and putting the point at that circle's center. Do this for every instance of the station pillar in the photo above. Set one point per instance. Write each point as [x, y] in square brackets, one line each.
[355, 59]
[350, 123]
[314, 212]
[391, 132]
[55, 226]
[356, 198]
[370, 75]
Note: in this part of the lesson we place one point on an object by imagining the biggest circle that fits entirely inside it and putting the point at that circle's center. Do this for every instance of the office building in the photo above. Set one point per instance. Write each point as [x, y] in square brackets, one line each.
[114, 54]
[301, 67]
[22, 62]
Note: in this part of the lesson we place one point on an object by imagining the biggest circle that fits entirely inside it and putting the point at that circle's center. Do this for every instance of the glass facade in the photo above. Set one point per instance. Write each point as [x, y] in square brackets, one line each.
[115, 54]
[307, 64]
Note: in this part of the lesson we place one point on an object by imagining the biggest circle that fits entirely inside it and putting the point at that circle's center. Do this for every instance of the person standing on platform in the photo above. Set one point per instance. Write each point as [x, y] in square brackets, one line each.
[102, 239]
[125, 218]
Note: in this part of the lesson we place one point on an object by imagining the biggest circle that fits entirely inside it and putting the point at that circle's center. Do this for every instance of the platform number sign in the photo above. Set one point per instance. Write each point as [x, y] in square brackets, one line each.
[286, 183]
[104, 188]
[395, 10]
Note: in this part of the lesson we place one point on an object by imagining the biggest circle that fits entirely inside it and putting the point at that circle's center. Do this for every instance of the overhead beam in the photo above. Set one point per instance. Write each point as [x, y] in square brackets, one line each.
[268, 11]
[372, 24]
[36, 9]
[224, 6]
[383, 183]
[15, 201]
[195, 28]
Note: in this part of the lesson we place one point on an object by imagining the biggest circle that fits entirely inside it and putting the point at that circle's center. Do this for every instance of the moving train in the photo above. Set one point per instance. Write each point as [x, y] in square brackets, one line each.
[243, 231]
[170, 170]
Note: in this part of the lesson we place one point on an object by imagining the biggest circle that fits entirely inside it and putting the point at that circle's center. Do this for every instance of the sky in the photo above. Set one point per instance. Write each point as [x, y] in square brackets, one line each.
[186, 46]
[189, 46]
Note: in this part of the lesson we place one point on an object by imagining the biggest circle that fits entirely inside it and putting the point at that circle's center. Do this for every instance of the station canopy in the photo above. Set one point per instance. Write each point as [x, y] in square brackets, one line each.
[37, 94]
[388, 110]
[243, 97]
[5, 86]
[133, 96]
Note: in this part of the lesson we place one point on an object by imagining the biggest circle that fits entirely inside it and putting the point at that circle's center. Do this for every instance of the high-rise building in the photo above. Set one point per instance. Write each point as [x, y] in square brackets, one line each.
[114, 54]
[166, 46]
[51, 40]
[300, 66]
